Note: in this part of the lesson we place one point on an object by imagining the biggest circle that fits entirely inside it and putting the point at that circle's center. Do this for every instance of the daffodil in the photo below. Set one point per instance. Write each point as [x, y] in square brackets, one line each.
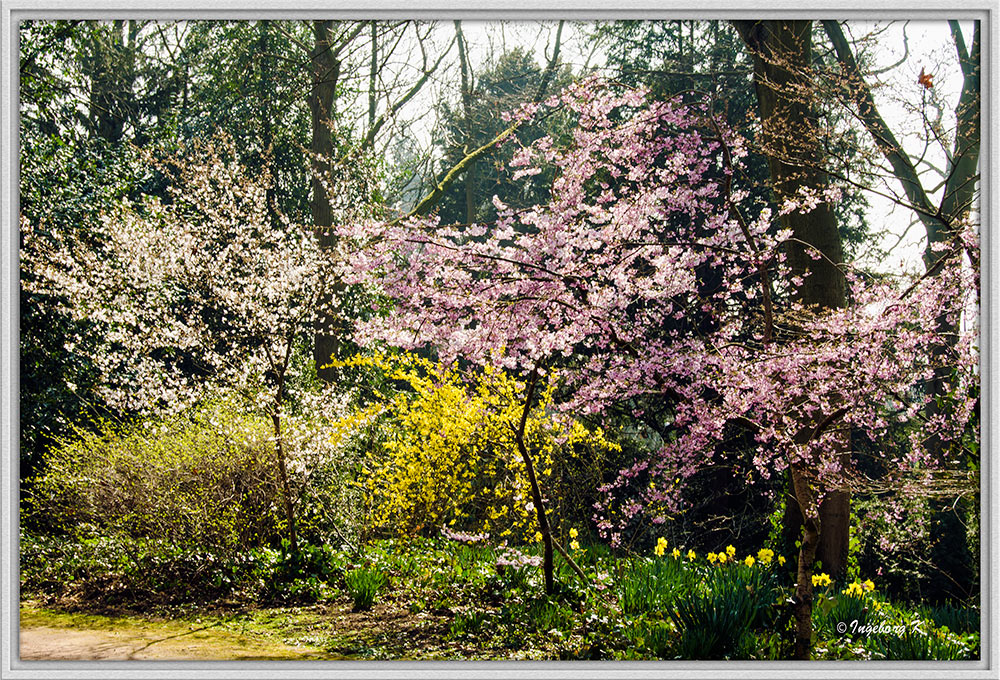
[854, 590]
[730, 551]
[765, 555]
[712, 557]
[538, 537]
[574, 545]
[748, 561]
[820, 580]
[573, 533]
[722, 558]
[781, 560]
[661, 546]
[692, 555]
[868, 585]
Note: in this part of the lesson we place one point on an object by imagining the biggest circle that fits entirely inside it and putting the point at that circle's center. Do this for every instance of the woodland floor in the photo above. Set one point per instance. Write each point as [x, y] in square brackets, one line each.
[326, 631]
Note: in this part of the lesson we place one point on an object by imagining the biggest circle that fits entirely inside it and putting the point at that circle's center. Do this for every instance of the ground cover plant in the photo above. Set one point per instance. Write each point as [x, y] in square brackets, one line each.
[451, 598]
[630, 379]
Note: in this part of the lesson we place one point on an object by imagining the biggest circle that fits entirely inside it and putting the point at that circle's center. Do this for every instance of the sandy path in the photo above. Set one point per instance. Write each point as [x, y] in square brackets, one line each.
[45, 643]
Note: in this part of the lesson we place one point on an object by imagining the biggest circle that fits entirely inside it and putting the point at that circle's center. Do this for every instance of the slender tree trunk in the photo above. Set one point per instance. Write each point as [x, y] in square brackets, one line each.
[536, 493]
[470, 172]
[286, 490]
[265, 85]
[372, 75]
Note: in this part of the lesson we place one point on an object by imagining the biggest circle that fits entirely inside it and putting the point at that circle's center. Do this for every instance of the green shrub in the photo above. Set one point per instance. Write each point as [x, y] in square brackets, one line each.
[204, 477]
[364, 584]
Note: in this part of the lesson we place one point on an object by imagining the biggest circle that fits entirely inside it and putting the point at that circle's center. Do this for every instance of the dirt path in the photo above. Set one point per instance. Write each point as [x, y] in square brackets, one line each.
[68, 638]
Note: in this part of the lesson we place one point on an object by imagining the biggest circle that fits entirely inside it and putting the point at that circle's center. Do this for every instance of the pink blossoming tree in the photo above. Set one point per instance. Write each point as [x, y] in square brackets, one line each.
[648, 273]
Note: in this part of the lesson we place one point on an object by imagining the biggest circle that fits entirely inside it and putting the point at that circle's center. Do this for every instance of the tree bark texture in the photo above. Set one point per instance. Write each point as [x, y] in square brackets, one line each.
[324, 74]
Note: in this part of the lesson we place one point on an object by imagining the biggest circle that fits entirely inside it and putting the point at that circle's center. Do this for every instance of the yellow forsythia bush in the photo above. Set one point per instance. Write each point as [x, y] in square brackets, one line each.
[448, 456]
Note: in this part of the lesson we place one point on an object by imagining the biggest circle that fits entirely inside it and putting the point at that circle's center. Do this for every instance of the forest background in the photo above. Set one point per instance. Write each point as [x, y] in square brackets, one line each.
[218, 272]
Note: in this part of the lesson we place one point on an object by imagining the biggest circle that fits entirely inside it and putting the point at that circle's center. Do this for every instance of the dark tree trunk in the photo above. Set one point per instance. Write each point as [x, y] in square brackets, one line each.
[811, 524]
[111, 68]
[536, 492]
[782, 54]
[470, 172]
[325, 72]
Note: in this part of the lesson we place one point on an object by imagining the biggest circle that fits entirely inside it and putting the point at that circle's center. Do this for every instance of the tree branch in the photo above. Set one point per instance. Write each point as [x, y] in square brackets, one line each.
[902, 166]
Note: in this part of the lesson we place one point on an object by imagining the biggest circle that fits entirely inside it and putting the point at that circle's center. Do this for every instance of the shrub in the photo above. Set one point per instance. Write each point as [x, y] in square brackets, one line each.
[205, 476]
[364, 584]
[445, 452]
[200, 477]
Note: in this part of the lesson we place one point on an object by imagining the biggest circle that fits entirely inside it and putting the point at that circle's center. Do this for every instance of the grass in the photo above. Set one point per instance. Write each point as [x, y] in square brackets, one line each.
[431, 599]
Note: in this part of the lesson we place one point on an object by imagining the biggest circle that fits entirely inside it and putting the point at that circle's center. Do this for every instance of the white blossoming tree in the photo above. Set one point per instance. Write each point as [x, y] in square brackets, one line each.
[211, 287]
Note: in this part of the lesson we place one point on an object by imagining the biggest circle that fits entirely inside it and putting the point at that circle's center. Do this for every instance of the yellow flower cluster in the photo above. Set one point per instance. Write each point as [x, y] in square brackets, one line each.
[661, 546]
[859, 588]
[821, 580]
[449, 456]
[764, 557]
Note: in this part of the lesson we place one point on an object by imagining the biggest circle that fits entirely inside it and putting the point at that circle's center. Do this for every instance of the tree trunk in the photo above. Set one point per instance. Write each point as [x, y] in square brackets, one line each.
[470, 172]
[325, 72]
[811, 524]
[536, 493]
[111, 68]
[782, 54]
[286, 490]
